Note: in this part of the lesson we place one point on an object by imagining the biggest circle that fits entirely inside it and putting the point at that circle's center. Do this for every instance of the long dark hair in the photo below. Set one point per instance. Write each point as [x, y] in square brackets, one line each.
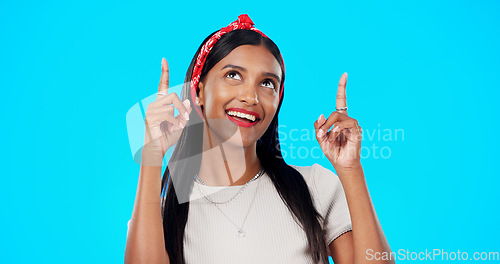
[289, 183]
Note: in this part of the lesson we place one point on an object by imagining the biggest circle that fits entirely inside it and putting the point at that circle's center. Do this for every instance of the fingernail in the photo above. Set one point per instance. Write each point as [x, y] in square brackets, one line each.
[319, 118]
[321, 132]
[187, 105]
[336, 129]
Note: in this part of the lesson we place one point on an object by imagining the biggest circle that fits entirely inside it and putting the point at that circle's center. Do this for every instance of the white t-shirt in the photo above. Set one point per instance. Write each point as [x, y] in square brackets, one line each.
[271, 233]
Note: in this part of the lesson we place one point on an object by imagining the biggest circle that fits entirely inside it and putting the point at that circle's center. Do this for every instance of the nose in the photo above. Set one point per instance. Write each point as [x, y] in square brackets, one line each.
[248, 94]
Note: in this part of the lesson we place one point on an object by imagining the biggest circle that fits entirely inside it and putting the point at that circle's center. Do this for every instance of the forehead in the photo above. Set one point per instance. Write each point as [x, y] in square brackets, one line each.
[253, 58]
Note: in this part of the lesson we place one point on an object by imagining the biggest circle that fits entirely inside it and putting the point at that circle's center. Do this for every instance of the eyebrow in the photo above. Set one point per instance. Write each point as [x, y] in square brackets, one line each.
[245, 70]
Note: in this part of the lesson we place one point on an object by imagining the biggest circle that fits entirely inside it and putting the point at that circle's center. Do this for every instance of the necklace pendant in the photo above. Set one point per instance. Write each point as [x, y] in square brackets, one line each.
[241, 233]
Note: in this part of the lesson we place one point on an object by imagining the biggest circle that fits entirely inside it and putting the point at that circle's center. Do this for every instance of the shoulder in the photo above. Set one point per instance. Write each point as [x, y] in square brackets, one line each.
[317, 176]
[324, 185]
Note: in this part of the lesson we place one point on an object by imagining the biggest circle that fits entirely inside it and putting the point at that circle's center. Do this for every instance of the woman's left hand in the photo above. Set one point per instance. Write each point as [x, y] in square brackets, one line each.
[342, 144]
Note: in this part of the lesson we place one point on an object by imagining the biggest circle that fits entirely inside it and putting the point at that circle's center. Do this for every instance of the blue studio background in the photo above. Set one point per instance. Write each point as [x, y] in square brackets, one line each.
[423, 83]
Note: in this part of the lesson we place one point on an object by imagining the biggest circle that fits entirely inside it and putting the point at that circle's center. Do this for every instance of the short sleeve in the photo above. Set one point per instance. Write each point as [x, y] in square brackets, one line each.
[332, 202]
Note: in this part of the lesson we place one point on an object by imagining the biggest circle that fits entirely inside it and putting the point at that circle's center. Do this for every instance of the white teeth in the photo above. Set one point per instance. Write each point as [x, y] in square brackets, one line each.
[242, 115]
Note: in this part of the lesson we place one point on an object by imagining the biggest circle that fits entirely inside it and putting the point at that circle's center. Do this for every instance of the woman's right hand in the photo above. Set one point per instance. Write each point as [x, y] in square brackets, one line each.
[163, 129]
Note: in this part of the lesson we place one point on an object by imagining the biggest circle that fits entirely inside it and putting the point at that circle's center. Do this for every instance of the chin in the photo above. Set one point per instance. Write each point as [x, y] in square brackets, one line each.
[234, 132]
[241, 139]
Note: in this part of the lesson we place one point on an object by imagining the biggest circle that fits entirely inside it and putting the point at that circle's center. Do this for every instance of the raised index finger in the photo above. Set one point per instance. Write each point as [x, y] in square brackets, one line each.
[341, 98]
[163, 87]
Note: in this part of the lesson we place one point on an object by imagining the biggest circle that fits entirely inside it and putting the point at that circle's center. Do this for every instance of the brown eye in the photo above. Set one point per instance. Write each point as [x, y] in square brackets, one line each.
[268, 83]
[233, 75]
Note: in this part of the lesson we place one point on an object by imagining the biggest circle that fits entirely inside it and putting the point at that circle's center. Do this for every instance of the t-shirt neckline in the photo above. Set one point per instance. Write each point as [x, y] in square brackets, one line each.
[228, 186]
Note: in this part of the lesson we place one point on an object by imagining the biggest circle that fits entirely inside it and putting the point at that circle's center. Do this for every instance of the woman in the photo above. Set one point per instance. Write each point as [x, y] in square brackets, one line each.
[230, 196]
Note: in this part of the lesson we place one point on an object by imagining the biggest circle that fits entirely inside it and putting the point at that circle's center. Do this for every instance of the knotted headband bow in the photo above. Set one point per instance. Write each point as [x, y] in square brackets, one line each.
[243, 22]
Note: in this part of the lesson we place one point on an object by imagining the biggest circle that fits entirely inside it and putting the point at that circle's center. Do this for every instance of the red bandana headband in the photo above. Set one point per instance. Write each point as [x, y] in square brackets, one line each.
[243, 22]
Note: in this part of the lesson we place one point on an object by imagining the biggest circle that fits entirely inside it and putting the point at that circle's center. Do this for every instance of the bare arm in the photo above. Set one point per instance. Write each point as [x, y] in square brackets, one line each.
[342, 146]
[341, 249]
[367, 234]
[145, 241]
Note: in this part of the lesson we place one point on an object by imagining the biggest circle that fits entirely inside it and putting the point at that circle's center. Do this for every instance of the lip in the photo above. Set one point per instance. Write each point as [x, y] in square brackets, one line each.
[244, 112]
[240, 123]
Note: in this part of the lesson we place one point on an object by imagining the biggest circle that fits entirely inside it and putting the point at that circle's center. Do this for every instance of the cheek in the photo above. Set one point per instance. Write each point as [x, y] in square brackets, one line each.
[271, 108]
[217, 97]
[275, 101]
[273, 98]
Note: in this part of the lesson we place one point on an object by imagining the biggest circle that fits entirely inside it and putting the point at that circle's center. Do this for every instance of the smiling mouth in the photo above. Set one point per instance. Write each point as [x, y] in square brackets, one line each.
[242, 119]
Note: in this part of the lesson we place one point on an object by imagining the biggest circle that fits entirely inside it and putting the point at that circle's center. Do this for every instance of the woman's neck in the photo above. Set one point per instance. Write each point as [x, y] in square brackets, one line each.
[227, 163]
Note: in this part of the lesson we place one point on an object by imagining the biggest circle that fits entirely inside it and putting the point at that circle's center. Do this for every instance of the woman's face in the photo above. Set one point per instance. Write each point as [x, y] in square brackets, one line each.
[241, 92]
